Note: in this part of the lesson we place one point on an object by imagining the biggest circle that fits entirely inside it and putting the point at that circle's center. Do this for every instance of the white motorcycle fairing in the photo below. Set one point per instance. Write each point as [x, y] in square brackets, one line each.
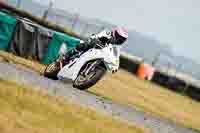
[71, 70]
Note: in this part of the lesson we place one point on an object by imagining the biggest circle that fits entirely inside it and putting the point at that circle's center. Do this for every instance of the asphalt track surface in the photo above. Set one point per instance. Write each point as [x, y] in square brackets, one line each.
[130, 115]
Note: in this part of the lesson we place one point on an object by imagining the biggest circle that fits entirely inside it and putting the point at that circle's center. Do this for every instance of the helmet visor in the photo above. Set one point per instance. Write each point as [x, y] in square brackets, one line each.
[119, 39]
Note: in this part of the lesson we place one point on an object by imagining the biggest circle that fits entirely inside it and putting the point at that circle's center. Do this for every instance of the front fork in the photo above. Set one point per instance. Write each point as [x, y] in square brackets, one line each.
[90, 67]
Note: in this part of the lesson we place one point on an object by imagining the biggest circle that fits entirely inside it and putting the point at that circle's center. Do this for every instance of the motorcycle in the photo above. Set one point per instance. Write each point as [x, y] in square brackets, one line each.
[86, 68]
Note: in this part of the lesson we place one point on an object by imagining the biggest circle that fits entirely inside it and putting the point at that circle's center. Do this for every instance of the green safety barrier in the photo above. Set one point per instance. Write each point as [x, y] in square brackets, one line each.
[55, 45]
[7, 26]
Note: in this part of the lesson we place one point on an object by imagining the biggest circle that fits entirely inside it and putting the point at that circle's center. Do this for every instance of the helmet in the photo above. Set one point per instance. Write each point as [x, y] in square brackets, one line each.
[120, 35]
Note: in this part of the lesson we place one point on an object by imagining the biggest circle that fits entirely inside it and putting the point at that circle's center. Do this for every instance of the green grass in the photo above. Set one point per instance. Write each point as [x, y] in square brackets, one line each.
[26, 111]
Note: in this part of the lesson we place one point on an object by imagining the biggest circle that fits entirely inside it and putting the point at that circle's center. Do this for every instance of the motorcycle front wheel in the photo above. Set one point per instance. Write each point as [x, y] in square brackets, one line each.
[83, 82]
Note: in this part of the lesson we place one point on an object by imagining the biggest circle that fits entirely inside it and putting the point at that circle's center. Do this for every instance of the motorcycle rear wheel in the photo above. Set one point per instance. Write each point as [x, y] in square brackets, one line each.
[52, 70]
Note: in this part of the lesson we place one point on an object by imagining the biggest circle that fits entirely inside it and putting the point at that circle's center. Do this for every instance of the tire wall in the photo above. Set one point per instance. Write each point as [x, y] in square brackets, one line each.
[171, 82]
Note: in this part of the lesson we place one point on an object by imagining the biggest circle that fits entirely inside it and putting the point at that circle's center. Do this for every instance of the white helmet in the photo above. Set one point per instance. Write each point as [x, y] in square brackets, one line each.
[120, 35]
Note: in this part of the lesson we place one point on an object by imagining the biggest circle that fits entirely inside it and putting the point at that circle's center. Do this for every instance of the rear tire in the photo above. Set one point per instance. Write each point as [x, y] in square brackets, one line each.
[85, 84]
[51, 71]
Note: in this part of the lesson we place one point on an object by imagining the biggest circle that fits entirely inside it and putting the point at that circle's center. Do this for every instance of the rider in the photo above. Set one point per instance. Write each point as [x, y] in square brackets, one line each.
[116, 36]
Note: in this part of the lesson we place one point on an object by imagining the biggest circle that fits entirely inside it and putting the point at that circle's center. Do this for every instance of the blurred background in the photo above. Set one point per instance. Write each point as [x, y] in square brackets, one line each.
[163, 32]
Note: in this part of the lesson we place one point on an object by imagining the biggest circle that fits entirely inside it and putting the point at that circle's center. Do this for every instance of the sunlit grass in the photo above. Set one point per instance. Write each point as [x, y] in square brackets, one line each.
[26, 111]
[126, 89]
[23, 62]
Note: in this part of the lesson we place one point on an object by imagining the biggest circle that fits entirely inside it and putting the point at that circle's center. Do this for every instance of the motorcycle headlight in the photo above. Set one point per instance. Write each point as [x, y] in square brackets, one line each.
[115, 62]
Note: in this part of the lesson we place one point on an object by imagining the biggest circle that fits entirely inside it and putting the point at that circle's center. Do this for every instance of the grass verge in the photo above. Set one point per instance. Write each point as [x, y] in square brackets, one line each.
[125, 88]
[23, 110]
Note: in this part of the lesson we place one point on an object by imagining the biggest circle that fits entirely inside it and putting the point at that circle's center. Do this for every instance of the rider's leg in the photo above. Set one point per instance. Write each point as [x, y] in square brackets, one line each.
[69, 54]
[79, 48]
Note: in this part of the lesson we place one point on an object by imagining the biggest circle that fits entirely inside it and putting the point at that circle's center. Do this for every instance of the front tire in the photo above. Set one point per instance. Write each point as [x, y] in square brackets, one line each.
[83, 83]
